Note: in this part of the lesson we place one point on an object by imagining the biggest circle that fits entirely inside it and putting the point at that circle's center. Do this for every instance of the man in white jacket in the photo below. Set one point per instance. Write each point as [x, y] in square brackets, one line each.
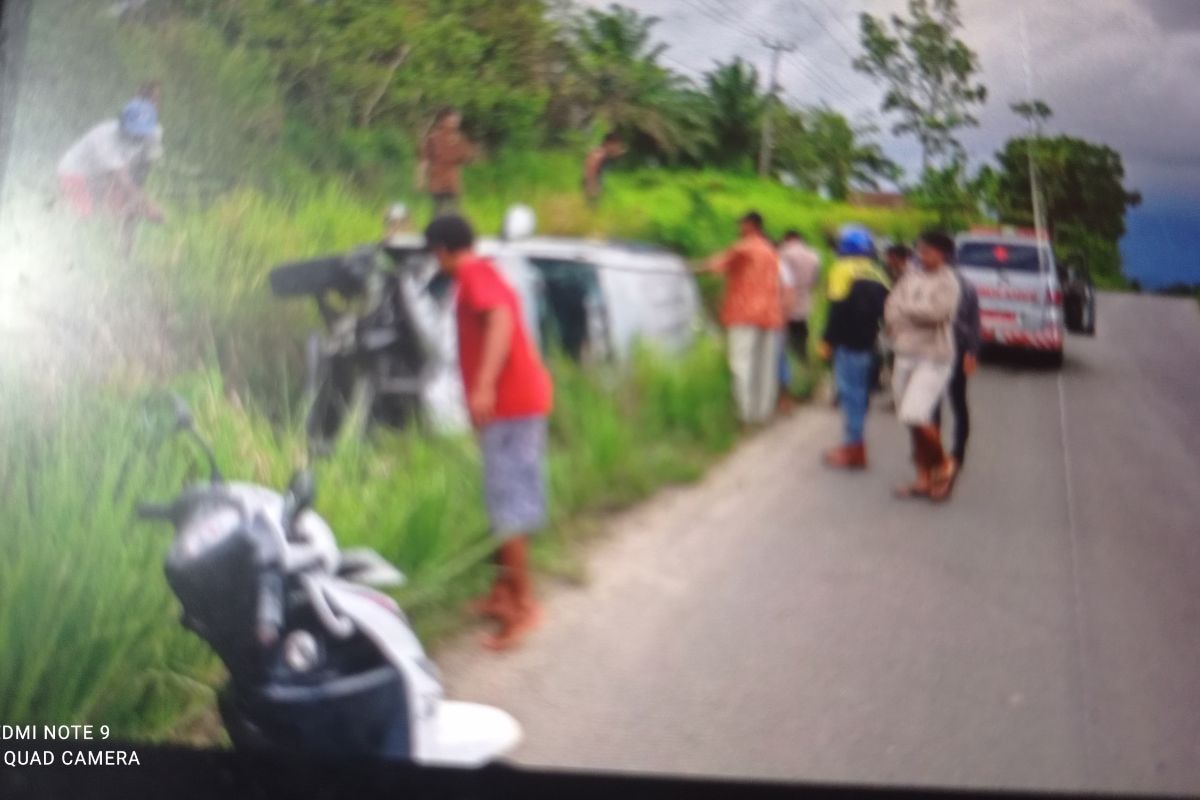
[919, 316]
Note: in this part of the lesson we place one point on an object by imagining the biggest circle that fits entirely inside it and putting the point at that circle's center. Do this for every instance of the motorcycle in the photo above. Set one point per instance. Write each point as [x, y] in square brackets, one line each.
[319, 660]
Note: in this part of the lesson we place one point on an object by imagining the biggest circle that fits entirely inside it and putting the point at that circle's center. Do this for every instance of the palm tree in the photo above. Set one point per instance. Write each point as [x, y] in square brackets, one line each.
[824, 150]
[627, 89]
[735, 112]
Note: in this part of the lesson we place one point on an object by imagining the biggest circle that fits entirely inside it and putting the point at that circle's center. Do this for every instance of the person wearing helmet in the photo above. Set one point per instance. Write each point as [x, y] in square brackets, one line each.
[98, 169]
[857, 291]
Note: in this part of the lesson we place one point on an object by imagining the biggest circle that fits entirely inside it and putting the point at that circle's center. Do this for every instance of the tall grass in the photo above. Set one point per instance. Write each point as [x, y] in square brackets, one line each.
[87, 625]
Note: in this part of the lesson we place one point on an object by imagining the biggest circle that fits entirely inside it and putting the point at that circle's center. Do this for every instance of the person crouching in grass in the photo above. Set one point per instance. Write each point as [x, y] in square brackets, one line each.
[509, 396]
[919, 316]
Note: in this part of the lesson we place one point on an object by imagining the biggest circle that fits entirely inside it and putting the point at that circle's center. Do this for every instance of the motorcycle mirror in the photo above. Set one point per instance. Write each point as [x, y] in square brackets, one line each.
[299, 498]
[302, 490]
[186, 423]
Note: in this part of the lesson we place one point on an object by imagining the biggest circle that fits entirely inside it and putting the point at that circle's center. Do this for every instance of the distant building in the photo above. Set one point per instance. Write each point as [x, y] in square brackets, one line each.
[893, 200]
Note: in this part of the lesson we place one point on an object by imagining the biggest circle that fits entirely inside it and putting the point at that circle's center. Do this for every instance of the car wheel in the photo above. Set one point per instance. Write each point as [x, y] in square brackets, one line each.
[1055, 359]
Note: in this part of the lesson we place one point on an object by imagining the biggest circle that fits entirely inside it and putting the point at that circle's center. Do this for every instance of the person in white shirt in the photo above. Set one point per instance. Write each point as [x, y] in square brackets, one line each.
[804, 265]
[99, 169]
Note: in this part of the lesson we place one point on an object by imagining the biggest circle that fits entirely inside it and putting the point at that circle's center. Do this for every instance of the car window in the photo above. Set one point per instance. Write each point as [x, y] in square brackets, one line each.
[998, 255]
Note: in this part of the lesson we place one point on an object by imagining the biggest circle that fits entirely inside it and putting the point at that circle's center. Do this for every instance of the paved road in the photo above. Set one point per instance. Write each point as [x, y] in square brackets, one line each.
[778, 621]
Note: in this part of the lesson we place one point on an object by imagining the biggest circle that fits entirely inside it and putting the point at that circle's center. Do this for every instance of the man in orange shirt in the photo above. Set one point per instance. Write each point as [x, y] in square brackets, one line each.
[752, 313]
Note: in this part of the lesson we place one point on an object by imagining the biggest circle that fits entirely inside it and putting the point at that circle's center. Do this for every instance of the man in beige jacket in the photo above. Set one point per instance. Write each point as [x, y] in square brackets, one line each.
[920, 322]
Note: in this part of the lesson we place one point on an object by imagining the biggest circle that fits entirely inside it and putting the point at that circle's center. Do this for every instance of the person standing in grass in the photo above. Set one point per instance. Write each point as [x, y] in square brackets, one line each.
[444, 153]
[597, 163]
[804, 264]
[857, 291]
[509, 396]
[752, 314]
[920, 317]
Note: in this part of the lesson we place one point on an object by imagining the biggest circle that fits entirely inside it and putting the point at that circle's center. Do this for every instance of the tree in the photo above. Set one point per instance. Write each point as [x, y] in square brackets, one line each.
[929, 75]
[944, 191]
[390, 64]
[1082, 182]
[1083, 186]
[735, 113]
[824, 151]
[1035, 112]
[629, 91]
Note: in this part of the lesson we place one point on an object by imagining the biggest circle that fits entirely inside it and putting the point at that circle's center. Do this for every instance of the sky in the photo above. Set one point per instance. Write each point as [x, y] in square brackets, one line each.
[1121, 72]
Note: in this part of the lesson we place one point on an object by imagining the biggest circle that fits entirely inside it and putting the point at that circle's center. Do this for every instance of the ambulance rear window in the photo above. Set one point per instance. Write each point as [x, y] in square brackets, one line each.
[998, 255]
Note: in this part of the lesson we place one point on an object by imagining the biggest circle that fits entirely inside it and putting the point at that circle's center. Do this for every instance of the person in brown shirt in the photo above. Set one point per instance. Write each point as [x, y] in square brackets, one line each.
[752, 314]
[596, 163]
[443, 154]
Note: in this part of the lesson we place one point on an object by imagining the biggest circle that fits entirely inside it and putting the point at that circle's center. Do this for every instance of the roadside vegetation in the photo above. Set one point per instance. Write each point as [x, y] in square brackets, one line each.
[290, 127]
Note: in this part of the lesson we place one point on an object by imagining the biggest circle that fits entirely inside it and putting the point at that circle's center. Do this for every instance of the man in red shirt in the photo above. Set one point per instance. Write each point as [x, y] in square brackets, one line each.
[509, 396]
[752, 313]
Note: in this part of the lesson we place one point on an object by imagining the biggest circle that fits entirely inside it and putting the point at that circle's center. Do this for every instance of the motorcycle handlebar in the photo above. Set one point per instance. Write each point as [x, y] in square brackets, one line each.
[342, 274]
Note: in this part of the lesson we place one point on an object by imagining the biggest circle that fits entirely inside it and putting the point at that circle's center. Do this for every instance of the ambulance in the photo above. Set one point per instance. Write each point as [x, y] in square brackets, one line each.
[1020, 294]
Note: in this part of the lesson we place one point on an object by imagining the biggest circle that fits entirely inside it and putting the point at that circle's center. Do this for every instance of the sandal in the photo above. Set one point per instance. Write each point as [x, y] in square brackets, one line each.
[944, 485]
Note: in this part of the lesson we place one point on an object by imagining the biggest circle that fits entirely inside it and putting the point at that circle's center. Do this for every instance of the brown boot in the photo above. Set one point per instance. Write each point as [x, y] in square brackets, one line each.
[848, 456]
[942, 469]
[922, 457]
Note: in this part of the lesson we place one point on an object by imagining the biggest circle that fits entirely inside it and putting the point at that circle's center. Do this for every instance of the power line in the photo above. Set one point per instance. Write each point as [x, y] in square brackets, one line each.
[724, 17]
[821, 24]
[824, 81]
[834, 16]
[686, 68]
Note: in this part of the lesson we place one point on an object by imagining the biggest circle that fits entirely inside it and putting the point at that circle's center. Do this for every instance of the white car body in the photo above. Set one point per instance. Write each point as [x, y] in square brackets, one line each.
[1020, 297]
[635, 293]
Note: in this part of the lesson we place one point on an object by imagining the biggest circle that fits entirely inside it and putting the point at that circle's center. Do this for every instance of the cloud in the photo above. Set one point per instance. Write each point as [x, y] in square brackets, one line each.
[1174, 15]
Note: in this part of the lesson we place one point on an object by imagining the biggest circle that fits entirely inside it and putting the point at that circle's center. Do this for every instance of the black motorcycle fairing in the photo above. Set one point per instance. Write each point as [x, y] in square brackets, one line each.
[231, 593]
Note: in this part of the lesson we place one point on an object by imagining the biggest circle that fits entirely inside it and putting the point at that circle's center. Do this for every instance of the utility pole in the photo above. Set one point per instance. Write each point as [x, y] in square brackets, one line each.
[777, 49]
[1035, 131]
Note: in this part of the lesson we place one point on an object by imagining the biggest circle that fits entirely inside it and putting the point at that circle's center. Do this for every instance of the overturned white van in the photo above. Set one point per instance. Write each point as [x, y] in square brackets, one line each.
[391, 357]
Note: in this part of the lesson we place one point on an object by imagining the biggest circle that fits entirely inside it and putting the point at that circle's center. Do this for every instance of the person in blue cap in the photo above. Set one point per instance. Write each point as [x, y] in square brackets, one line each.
[857, 291]
[97, 173]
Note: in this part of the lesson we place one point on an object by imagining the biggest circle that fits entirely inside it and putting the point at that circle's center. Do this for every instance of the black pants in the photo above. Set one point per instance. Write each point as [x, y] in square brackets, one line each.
[957, 393]
[797, 330]
[877, 364]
